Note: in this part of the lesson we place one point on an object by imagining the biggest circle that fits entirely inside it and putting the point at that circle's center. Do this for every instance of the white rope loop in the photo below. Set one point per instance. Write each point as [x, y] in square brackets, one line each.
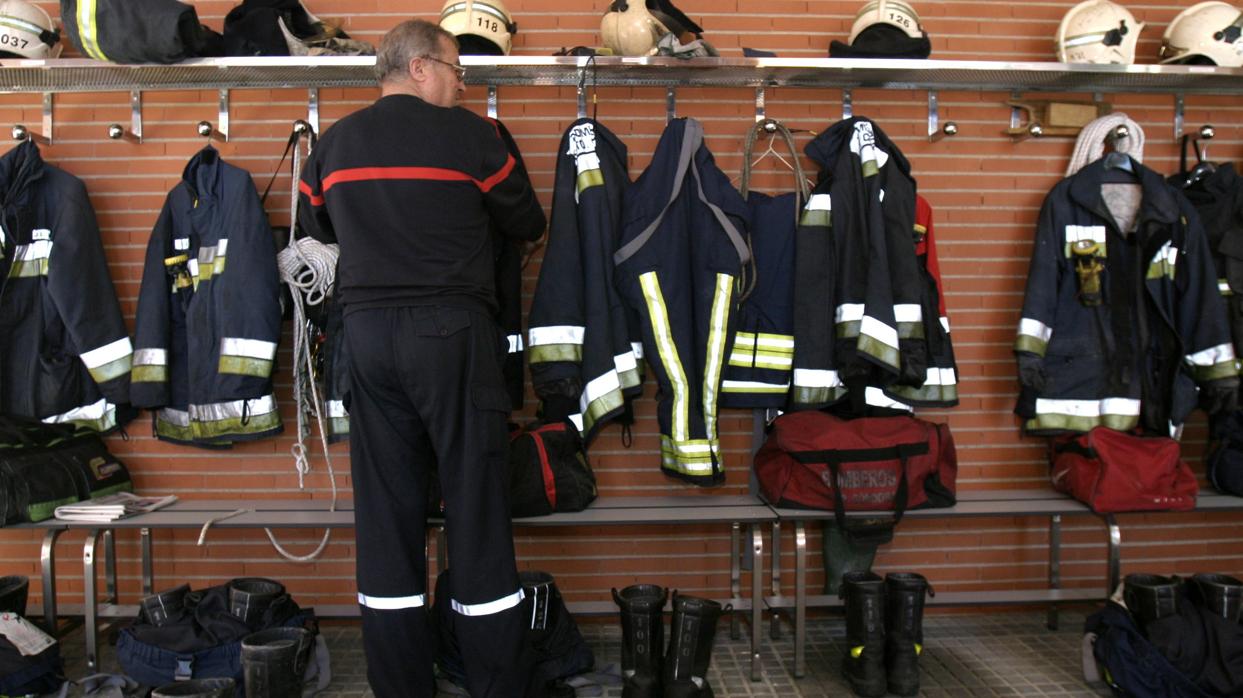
[1091, 143]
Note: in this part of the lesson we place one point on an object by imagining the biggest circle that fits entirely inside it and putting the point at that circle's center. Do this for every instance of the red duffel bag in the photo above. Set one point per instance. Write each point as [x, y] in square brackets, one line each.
[814, 460]
[1113, 471]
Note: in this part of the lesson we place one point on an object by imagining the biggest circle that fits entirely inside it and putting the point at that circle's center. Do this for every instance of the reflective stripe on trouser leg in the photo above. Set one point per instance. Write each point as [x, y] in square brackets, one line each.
[390, 458]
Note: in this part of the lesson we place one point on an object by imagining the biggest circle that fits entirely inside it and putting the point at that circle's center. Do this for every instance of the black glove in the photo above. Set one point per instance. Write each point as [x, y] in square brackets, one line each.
[1220, 396]
[1031, 370]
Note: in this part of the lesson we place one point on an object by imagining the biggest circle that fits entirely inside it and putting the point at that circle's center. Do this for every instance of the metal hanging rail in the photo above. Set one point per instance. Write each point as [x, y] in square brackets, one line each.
[81, 75]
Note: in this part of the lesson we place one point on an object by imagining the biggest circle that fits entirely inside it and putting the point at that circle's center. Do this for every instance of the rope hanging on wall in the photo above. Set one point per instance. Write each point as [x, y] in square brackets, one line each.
[1091, 143]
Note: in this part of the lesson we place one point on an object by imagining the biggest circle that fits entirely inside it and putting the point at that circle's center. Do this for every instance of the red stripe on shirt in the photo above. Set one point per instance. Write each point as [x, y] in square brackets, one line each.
[487, 184]
[306, 189]
[362, 174]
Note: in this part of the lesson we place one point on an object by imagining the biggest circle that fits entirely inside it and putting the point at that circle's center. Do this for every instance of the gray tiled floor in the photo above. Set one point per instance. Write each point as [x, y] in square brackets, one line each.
[965, 655]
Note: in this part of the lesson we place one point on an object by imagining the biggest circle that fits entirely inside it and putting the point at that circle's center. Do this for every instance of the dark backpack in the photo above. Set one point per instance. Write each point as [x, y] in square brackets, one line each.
[1129, 663]
[1224, 459]
[139, 31]
[548, 470]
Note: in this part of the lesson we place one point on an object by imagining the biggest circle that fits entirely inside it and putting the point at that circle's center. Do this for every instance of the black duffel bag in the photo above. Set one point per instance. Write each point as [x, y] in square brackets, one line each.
[548, 470]
[43, 466]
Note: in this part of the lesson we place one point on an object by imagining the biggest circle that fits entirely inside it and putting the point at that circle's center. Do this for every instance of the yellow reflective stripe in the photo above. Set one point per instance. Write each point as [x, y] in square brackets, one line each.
[691, 457]
[856, 652]
[149, 374]
[588, 179]
[87, 30]
[545, 353]
[245, 366]
[27, 270]
[112, 369]
[668, 352]
[714, 361]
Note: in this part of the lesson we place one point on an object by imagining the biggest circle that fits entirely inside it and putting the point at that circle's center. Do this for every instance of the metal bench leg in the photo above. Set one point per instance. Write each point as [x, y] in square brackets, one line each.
[1115, 554]
[89, 600]
[757, 599]
[735, 576]
[148, 573]
[774, 619]
[1055, 561]
[110, 567]
[47, 564]
[800, 599]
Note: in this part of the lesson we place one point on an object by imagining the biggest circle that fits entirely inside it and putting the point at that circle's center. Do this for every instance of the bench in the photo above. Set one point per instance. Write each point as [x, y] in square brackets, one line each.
[1048, 503]
[737, 511]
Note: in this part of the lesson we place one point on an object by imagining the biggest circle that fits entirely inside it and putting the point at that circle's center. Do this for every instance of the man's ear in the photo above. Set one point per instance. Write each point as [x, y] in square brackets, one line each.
[414, 69]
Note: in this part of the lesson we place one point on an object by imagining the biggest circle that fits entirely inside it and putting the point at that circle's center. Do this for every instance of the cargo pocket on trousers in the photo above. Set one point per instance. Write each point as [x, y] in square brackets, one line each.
[493, 404]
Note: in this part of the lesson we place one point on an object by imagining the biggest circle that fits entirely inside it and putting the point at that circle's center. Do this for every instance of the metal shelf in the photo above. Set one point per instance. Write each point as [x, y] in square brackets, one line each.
[80, 75]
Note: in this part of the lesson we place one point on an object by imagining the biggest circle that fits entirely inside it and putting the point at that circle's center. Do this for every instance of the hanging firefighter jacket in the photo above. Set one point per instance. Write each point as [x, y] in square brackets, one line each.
[940, 388]
[683, 247]
[64, 351]
[584, 356]
[859, 328]
[758, 372]
[1119, 324]
[209, 311]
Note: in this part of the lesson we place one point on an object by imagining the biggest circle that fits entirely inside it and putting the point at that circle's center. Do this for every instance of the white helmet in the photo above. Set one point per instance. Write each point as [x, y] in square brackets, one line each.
[896, 13]
[26, 31]
[482, 27]
[1097, 31]
[630, 30]
[1210, 31]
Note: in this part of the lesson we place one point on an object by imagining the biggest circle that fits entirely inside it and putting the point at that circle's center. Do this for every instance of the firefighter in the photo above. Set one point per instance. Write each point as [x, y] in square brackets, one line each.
[408, 187]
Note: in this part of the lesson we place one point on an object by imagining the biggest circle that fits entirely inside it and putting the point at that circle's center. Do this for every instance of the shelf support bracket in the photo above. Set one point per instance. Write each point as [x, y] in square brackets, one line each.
[848, 109]
[935, 131]
[312, 108]
[671, 103]
[118, 132]
[759, 104]
[491, 101]
[222, 118]
[582, 92]
[21, 133]
[1178, 116]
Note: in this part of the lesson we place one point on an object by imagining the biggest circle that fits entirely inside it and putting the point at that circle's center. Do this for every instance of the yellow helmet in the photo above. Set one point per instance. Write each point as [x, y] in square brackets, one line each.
[482, 27]
[1207, 32]
[1097, 31]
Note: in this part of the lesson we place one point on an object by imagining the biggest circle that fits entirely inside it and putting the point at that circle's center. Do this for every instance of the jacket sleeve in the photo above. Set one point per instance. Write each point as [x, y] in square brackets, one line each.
[558, 314]
[1202, 320]
[80, 286]
[248, 291]
[312, 213]
[816, 381]
[1043, 280]
[150, 387]
[507, 192]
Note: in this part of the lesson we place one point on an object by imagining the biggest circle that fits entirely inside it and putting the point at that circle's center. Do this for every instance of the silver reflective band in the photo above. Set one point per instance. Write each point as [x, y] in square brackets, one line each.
[556, 334]
[908, 312]
[392, 603]
[21, 25]
[1088, 408]
[96, 410]
[151, 357]
[515, 343]
[479, 7]
[819, 202]
[1083, 39]
[249, 348]
[1035, 328]
[1212, 356]
[637, 349]
[39, 249]
[108, 353]
[848, 312]
[486, 609]
[872, 327]
[877, 398]
[814, 378]
[220, 411]
[336, 409]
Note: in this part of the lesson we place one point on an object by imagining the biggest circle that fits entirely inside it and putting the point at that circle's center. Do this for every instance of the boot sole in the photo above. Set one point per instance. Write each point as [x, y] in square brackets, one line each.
[904, 690]
[867, 690]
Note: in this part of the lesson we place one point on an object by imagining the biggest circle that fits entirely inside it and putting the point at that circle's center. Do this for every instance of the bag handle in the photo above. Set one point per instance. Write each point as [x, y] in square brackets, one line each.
[904, 452]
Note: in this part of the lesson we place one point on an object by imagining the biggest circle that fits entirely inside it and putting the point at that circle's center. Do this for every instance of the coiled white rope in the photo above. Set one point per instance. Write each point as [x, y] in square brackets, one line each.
[1091, 143]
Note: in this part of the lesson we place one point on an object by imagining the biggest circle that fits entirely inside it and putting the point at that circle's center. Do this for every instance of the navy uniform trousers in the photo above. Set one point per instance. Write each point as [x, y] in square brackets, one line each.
[426, 391]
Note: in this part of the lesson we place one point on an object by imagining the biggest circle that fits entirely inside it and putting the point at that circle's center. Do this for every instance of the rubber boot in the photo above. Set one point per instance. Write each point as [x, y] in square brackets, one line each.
[13, 591]
[864, 663]
[196, 688]
[643, 638]
[904, 630]
[1150, 597]
[165, 606]
[250, 597]
[691, 634]
[1220, 594]
[273, 662]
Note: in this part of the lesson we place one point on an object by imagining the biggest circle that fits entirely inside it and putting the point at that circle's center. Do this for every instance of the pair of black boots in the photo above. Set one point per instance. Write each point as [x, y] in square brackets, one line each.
[682, 670]
[1151, 597]
[884, 632]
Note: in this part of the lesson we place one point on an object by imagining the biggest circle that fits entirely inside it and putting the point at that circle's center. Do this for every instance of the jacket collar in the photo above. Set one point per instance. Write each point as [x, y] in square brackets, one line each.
[1158, 204]
[19, 169]
[202, 174]
[840, 139]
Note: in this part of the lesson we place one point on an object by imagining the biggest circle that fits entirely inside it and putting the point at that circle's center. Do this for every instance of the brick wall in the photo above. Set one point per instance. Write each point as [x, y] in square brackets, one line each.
[985, 190]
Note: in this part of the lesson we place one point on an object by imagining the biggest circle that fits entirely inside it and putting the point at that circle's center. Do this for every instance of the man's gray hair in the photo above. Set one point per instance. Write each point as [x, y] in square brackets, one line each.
[403, 43]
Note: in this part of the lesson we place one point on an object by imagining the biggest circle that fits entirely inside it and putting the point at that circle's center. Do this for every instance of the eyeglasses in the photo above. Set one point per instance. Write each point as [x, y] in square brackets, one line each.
[459, 70]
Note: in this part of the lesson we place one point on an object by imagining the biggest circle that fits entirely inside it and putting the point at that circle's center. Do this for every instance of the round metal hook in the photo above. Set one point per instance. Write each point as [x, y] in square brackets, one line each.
[1207, 132]
[20, 133]
[116, 131]
[205, 129]
[1035, 130]
[301, 126]
[1120, 132]
[950, 128]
